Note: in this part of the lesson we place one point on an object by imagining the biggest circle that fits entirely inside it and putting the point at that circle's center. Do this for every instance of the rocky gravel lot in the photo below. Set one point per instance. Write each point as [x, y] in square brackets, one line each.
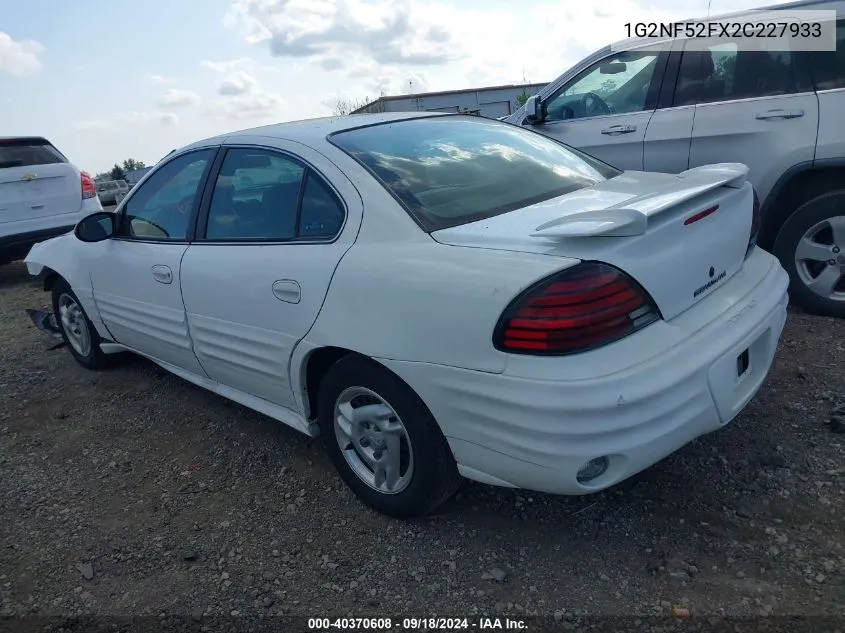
[132, 492]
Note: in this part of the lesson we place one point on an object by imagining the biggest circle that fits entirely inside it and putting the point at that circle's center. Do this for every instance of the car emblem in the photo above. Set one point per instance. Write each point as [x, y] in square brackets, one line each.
[29, 177]
[711, 272]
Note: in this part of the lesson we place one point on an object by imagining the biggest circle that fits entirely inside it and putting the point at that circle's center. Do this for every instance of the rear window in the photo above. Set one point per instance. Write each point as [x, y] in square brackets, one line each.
[26, 152]
[453, 170]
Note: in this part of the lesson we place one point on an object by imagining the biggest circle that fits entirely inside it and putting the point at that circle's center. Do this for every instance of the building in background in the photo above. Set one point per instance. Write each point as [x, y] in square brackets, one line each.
[493, 102]
[132, 177]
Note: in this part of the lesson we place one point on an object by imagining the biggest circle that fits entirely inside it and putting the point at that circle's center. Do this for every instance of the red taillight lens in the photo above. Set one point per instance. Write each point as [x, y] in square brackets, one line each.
[582, 308]
[756, 219]
[89, 189]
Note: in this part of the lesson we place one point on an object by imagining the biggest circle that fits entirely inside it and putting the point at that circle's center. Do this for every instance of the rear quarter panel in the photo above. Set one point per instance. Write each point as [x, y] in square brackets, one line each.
[425, 302]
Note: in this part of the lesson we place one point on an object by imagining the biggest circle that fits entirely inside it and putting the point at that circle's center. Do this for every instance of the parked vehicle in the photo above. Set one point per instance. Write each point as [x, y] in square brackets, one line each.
[41, 194]
[110, 191]
[667, 108]
[436, 295]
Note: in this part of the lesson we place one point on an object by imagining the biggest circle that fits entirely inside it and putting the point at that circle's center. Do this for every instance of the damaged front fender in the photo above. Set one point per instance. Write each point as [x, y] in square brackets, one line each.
[61, 256]
[68, 258]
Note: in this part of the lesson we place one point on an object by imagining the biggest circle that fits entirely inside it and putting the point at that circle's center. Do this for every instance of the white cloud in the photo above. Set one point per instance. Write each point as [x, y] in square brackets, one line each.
[386, 32]
[174, 98]
[227, 65]
[146, 118]
[19, 58]
[162, 79]
[257, 104]
[237, 83]
[91, 125]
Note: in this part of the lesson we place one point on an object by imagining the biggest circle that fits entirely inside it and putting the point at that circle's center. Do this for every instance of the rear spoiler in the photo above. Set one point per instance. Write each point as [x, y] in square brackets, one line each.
[632, 218]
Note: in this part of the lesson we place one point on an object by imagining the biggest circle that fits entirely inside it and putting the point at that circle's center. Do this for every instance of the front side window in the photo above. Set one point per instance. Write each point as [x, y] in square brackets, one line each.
[829, 66]
[452, 170]
[263, 195]
[730, 70]
[161, 208]
[618, 84]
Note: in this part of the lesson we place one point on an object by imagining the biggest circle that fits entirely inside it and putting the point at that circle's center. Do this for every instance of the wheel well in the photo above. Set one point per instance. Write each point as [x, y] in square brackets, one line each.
[317, 366]
[800, 188]
[50, 278]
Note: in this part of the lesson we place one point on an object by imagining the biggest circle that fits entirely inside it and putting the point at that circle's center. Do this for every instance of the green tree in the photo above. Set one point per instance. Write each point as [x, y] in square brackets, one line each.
[130, 164]
[117, 172]
[521, 98]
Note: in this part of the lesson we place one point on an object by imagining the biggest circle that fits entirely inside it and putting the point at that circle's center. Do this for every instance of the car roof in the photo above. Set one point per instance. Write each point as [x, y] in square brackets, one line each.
[310, 130]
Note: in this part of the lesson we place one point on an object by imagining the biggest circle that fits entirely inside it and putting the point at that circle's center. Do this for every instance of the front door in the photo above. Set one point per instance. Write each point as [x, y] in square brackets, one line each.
[605, 110]
[280, 218]
[752, 105]
[137, 286]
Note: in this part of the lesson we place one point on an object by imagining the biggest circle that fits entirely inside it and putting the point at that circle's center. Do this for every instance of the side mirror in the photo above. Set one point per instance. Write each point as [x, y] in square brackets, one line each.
[533, 110]
[96, 227]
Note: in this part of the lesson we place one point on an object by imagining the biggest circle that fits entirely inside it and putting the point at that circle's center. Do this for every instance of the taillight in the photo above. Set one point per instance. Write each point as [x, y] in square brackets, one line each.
[582, 308]
[756, 218]
[89, 189]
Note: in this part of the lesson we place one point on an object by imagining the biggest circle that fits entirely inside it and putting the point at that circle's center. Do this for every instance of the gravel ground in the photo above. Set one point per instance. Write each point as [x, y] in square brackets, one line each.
[133, 492]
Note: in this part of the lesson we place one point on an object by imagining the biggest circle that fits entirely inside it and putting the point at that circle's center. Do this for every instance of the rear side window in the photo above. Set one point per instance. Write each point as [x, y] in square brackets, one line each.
[452, 170]
[829, 66]
[27, 152]
[727, 71]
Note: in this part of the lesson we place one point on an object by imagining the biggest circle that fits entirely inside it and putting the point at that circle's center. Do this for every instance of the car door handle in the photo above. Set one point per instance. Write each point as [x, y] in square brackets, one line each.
[780, 114]
[162, 274]
[287, 290]
[619, 129]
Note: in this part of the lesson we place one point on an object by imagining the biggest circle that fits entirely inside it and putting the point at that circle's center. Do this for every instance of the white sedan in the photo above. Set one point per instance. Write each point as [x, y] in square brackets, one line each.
[437, 296]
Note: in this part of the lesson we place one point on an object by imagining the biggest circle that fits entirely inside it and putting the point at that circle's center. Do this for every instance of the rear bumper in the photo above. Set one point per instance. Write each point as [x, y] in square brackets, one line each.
[536, 433]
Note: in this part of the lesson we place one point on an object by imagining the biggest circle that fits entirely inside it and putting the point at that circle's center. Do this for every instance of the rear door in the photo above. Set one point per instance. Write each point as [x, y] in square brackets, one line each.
[752, 105]
[279, 219]
[605, 110]
[36, 181]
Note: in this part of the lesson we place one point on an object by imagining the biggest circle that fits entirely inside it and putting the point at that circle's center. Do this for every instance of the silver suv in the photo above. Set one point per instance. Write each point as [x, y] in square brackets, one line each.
[665, 108]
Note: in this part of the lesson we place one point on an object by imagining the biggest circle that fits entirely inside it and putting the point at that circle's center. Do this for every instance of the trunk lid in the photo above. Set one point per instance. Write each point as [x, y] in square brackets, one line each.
[36, 181]
[680, 236]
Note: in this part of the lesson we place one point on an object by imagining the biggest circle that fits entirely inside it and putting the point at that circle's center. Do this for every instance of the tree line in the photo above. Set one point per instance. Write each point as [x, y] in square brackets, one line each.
[118, 172]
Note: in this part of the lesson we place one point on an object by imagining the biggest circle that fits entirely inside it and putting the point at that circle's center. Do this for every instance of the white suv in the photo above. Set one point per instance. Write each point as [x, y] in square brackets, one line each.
[665, 108]
[41, 195]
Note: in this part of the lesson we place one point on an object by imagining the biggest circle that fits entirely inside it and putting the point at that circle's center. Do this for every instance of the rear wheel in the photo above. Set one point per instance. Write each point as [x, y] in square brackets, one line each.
[78, 332]
[811, 247]
[383, 440]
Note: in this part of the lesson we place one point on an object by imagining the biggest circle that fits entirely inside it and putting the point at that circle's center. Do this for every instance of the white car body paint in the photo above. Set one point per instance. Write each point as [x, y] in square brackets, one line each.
[425, 306]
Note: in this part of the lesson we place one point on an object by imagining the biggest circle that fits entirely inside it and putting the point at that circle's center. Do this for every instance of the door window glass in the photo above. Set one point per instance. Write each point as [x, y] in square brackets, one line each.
[829, 66]
[260, 195]
[726, 71]
[322, 215]
[618, 84]
[161, 208]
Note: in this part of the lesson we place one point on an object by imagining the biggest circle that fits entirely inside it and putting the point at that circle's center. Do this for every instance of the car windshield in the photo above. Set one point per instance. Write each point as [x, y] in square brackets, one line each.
[453, 170]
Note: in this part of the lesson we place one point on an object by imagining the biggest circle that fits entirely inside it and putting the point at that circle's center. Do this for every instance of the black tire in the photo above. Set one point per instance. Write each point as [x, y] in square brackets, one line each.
[802, 220]
[95, 359]
[434, 478]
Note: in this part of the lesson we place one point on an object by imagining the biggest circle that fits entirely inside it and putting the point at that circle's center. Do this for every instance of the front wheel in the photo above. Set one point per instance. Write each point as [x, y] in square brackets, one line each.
[383, 440]
[811, 247]
[78, 332]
